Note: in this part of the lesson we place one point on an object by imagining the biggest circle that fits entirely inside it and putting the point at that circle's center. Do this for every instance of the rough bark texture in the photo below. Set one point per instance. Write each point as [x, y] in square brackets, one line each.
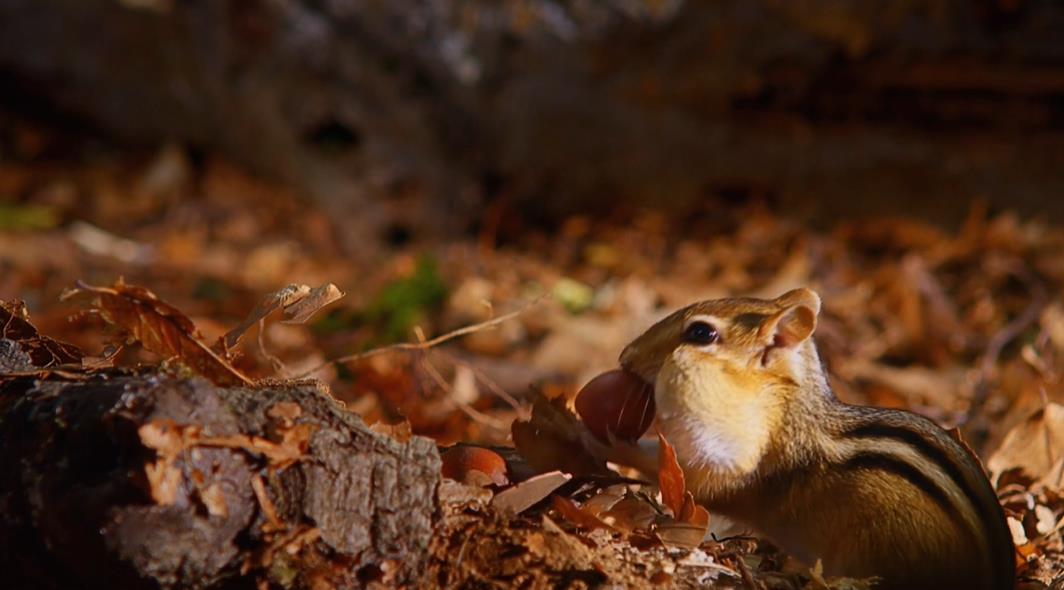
[861, 107]
[77, 506]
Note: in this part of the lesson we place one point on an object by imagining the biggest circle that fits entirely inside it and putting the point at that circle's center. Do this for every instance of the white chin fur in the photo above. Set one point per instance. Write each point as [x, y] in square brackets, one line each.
[711, 424]
[705, 447]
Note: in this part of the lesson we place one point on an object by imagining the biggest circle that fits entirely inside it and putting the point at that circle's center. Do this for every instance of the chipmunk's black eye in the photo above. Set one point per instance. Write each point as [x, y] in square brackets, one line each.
[700, 333]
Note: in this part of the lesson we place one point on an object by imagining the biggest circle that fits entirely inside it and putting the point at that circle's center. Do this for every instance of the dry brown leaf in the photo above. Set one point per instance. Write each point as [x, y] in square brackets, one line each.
[1035, 444]
[690, 521]
[279, 298]
[298, 312]
[693, 513]
[631, 513]
[942, 387]
[606, 499]
[43, 351]
[577, 515]
[551, 439]
[161, 328]
[680, 534]
[526, 494]
[670, 477]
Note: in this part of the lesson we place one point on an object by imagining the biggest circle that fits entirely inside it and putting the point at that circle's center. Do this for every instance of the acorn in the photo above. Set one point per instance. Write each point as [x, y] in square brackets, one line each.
[473, 465]
[617, 404]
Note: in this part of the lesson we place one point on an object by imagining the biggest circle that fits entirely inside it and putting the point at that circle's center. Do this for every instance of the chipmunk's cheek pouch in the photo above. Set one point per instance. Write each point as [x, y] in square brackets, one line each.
[616, 405]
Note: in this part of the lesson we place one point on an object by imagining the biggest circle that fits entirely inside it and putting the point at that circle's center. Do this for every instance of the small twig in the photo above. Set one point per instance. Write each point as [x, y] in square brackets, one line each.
[424, 345]
[278, 366]
[475, 414]
[488, 382]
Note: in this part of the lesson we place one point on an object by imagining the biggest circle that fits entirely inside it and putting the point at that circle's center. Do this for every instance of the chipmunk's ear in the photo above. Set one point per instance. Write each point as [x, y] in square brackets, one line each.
[795, 321]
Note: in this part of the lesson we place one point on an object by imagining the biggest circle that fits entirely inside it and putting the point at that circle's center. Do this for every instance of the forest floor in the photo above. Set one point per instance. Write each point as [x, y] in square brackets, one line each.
[964, 325]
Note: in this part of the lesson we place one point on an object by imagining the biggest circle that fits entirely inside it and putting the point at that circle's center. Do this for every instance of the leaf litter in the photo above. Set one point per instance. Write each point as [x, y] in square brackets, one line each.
[963, 325]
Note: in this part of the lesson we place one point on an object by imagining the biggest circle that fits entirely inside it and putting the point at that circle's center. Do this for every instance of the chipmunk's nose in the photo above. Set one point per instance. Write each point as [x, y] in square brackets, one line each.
[630, 362]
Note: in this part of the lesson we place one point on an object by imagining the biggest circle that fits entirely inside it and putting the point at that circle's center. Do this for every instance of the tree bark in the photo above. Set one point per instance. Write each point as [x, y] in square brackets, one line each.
[280, 481]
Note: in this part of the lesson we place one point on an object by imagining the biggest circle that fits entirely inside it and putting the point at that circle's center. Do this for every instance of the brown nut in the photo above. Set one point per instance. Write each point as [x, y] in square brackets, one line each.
[473, 465]
[616, 402]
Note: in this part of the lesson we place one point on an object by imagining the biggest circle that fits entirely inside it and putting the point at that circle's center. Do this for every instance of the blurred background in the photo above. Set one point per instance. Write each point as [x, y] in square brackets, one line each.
[445, 162]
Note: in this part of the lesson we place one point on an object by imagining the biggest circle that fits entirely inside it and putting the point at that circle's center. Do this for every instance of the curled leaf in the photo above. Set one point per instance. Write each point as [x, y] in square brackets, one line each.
[551, 439]
[298, 312]
[43, 352]
[284, 296]
[161, 328]
[578, 515]
[670, 477]
[528, 493]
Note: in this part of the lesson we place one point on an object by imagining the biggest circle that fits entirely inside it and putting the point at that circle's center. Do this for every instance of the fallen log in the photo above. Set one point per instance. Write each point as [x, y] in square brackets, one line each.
[147, 480]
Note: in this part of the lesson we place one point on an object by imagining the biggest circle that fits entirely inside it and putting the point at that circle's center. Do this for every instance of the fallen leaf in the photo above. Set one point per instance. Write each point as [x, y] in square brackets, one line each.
[530, 492]
[606, 499]
[577, 515]
[43, 352]
[693, 513]
[690, 521]
[551, 439]
[300, 311]
[631, 513]
[161, 328]
[1035, 444]
[680, 534]
[670, 477]
[280, 298]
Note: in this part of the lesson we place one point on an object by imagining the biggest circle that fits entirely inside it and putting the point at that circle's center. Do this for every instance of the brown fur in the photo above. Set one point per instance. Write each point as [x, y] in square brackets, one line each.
[764, 441]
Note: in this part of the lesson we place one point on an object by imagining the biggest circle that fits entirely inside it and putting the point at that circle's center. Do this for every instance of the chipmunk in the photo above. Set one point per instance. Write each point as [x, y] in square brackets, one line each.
[741, 393]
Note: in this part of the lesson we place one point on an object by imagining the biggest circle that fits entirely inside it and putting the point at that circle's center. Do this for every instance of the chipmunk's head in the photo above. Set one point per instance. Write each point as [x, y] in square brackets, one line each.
[723, 370]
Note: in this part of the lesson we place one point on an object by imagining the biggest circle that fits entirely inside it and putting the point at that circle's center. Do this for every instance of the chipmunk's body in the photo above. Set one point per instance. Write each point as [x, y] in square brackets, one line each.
[741, 394]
